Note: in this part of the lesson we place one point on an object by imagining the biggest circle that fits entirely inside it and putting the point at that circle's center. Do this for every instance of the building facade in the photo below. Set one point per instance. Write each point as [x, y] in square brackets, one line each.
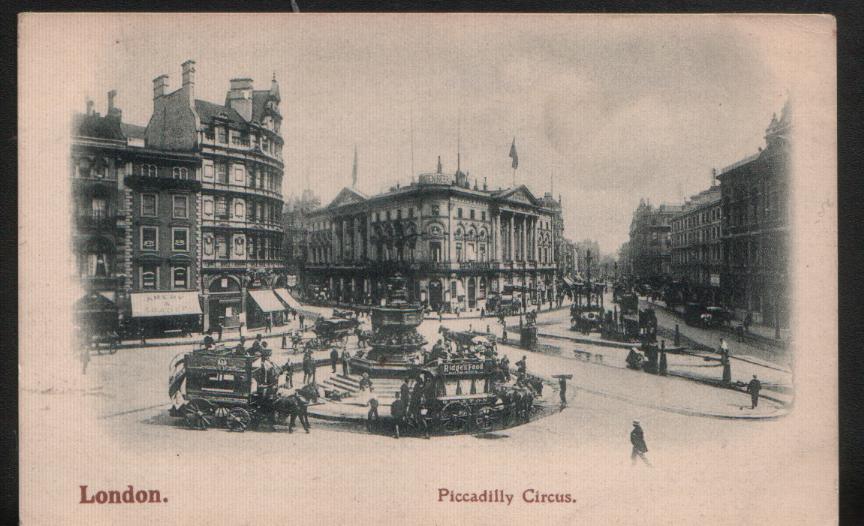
[651, 243]
[183, 218]
[457, 245]
[697, 247]
[754, 201]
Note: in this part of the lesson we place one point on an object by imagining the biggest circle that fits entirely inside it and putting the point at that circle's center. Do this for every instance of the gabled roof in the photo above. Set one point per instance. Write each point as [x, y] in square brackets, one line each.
[347, 196]
[97, 126]
[132, 131]
[519, 193]
[207, 111]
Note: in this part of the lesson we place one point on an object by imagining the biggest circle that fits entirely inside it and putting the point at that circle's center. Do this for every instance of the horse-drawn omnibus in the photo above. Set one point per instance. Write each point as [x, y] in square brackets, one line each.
[219, 388]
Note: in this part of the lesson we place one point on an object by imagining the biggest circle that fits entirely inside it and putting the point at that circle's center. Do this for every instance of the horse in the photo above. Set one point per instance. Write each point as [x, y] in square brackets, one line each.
[294, 405]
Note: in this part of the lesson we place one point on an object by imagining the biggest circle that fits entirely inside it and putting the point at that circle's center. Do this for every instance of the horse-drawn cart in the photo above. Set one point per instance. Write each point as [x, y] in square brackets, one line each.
[218, 388]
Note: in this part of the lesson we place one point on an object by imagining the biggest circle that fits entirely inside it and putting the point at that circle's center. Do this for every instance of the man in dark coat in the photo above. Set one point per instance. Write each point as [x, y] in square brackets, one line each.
[256, 345]
[562, 391]
[397, 410]
[240, 350]
[346, 362]
[637, 439]
[334, 359]
[753, 388]
[288, 369]
[302, 320]
[405, 391]
[521, 366]
[208, 340]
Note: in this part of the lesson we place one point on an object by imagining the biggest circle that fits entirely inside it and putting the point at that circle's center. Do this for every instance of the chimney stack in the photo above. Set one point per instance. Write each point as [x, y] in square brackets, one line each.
[189, 80]
[112, 109]
[89, 107]
[240, 97]
[160, 84]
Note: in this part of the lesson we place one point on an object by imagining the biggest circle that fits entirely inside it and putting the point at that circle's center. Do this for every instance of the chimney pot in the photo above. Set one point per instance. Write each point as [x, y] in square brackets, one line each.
[111, 95]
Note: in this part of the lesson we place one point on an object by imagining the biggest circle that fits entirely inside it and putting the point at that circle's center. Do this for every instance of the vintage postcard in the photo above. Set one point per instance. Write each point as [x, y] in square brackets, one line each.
[428, 269]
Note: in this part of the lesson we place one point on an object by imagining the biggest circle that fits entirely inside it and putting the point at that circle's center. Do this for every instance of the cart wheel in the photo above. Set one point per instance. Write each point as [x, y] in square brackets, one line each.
[454, 418]
[198, 414]
[485, 419]
[238, 419]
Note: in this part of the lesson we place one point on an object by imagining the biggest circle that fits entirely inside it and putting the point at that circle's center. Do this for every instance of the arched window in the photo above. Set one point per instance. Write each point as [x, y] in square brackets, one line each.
[180, 173]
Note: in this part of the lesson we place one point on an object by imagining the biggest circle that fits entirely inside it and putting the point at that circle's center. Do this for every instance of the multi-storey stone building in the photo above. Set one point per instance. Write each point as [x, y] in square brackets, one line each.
[457, 245]
[755, 193]
[651, 243]
[697, 248]
[195, 200]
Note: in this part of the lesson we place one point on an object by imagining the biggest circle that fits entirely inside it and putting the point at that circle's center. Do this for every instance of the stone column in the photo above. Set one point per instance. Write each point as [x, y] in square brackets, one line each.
[511, 254]
[495, 238]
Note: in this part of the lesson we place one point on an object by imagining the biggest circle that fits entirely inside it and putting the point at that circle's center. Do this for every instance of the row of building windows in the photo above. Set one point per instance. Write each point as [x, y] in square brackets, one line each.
[262, 178]
[149, 238]
[238, 209]
[221, 135]
[259, 247]
[149, 273]
[179, 206]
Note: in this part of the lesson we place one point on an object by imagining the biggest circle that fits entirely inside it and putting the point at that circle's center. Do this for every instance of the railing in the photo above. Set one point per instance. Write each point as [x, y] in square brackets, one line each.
[241, 189]
[98, 221]
[242, 263]
[240, 224]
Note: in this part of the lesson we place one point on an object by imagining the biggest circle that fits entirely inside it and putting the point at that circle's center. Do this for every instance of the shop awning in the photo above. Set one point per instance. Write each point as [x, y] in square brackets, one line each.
[154, 304]
[267, 300]
[568, 281]
[286, 296]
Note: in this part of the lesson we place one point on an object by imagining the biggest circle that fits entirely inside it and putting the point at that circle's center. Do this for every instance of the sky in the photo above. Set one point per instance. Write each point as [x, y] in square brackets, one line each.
[605, 111]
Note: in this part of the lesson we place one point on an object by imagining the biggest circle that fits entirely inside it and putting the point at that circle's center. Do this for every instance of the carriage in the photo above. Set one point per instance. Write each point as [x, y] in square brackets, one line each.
[468, 395]
[217, 388]
[330, 331]
[586, 318]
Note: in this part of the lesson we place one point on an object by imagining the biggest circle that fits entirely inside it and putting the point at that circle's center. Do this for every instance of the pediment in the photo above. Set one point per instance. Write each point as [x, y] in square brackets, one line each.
[520, 194]
[347, 197]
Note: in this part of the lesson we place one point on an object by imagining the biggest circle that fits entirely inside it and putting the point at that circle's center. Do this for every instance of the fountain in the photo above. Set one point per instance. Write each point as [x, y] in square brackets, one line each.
[395, 344]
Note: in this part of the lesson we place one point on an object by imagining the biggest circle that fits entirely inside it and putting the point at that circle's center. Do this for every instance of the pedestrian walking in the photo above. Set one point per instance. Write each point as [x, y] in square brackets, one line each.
[748, 321]
[288, 368]
[637, 439]
[482, 312]
[219, 329]
[753, 388]
[268, 324]
[346, 362]
[562, 391]
[504, 335]
[440, 316]
[302, 320]
[663, 364]
[334, 359]
[397, 411]
[372, 416]
[85, 358]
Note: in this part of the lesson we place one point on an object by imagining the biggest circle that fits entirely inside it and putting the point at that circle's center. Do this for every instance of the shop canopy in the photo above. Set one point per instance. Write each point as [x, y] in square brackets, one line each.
[289, 300]
[267, 300]
[154, 304]
[568, 281]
